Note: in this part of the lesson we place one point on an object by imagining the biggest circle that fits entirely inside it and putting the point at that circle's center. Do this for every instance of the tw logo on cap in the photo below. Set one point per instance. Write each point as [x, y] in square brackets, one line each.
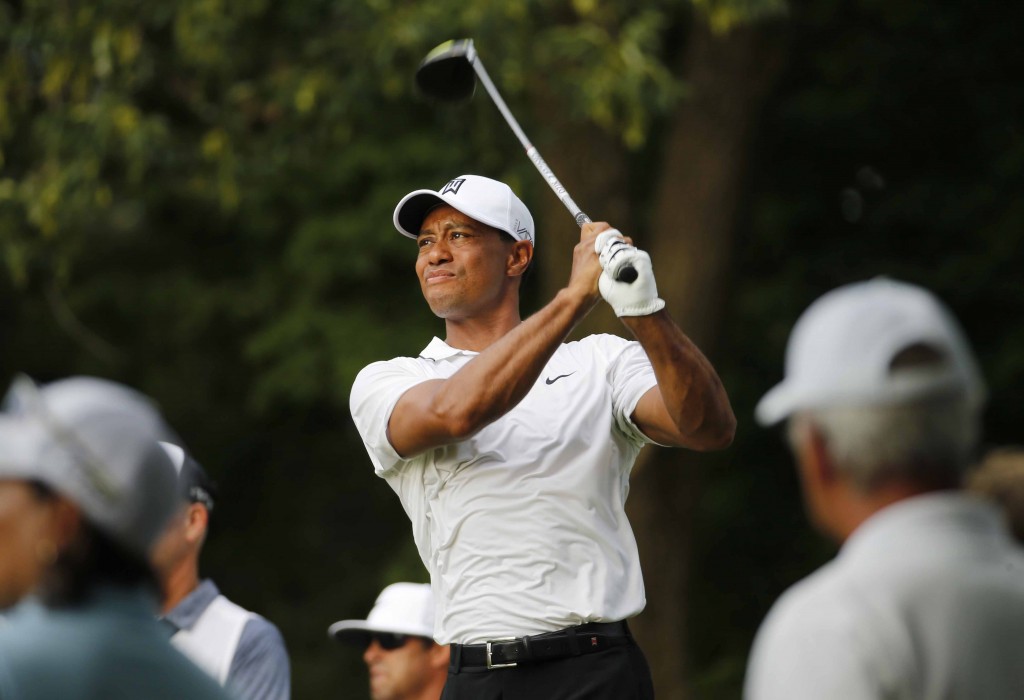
[453, 186]
[524, 233]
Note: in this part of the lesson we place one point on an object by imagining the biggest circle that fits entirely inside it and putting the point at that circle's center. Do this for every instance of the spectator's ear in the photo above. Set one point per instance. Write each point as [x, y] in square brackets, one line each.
[824, 489]
[197, 519]
[821, 460]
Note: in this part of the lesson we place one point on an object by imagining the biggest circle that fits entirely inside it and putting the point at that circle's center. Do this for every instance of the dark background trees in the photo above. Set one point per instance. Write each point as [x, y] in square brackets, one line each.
[195, 199]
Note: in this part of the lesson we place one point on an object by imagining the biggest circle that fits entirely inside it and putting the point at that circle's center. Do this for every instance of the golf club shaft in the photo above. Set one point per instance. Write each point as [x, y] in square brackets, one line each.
[532, 153]
[626, 273]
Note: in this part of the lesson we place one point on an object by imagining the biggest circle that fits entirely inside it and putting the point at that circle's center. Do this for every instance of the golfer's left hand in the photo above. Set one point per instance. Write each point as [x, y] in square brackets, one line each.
[638, 298]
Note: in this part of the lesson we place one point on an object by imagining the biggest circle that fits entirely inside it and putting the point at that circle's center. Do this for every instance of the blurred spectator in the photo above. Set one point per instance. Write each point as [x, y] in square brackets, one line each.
[926, 597]
[85, 489]
[1000, 476]
[403, 660]
[240, 649]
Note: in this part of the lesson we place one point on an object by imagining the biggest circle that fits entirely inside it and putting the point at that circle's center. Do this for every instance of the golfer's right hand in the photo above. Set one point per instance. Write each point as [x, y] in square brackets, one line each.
[586, 267]
[637, 298]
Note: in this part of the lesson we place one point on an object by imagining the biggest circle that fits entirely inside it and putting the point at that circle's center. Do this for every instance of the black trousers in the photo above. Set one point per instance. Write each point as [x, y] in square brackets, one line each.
[617, 673]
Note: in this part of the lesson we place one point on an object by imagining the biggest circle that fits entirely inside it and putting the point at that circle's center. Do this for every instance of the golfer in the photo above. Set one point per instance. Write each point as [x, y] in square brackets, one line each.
[511, 449]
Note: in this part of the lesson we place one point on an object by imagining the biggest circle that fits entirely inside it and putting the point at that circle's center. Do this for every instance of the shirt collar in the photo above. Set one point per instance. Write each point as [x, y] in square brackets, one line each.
[187, 612]
[929, 513]
[437, 349]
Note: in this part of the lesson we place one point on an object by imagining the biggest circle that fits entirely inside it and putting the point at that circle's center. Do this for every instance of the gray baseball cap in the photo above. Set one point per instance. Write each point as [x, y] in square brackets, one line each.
[96, 443]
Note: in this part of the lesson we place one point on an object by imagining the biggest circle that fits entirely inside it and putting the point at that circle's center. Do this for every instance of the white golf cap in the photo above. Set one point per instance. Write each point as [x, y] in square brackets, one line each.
[401, 608]
[488, 201]
[94, 442]
[841, 350]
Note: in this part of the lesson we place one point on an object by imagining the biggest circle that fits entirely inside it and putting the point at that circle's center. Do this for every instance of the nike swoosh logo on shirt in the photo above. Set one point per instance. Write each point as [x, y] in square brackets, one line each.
[552, 380]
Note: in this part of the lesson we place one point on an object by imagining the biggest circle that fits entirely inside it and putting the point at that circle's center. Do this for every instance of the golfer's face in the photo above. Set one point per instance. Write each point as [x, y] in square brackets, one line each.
[462, 264]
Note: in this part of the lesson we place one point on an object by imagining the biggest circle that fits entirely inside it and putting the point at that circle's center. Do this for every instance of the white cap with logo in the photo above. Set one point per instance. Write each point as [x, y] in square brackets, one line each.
[841, 350]
[488, 201]
[401, 608]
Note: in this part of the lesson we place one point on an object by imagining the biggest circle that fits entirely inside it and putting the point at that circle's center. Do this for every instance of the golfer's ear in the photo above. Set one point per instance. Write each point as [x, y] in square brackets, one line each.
[520, 257]
[197, 521]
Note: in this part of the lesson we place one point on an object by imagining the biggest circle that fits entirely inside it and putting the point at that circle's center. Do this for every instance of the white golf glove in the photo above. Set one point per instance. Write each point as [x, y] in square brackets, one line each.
[639, 298]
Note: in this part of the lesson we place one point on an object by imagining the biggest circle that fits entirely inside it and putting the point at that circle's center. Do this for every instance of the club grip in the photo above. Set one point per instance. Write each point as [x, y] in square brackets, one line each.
[627, 274]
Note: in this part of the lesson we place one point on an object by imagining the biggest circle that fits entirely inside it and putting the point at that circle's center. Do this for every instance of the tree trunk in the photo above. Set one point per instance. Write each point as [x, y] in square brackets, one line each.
[691, 240]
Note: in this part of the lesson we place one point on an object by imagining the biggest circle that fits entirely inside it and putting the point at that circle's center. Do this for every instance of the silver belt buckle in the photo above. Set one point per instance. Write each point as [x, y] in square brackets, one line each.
[493, 665]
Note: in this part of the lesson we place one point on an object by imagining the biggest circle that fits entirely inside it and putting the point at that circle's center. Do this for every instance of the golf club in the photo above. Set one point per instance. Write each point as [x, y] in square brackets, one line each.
[449, 73]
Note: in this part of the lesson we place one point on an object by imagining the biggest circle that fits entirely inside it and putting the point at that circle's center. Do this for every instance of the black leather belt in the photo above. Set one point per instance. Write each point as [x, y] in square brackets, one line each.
[509, 652]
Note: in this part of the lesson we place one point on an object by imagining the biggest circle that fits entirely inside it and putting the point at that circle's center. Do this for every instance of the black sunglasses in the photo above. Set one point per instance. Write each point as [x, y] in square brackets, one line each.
[389, 641]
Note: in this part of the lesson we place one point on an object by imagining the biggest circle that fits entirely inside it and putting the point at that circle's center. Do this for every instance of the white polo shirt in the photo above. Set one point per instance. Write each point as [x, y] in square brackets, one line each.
[925, 601]
[522, 526]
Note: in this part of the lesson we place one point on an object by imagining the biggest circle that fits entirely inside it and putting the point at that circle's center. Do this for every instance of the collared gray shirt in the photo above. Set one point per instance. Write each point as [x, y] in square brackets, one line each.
[259, 669]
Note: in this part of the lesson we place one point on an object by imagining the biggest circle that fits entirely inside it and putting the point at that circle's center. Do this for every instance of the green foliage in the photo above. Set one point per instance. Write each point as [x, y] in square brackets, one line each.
[724, 15]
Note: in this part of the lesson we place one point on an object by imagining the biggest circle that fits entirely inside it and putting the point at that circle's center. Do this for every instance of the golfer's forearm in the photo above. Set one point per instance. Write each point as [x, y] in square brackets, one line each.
[693, 398]
[500, 376]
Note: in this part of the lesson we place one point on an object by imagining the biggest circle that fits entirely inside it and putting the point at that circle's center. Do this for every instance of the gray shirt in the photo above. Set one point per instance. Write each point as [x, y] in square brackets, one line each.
[259, 669]
[110, 648]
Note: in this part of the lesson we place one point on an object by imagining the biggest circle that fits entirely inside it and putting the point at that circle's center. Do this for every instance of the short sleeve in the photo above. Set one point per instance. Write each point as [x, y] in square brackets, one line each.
[260, 669]
[376, 390]
[630, 375]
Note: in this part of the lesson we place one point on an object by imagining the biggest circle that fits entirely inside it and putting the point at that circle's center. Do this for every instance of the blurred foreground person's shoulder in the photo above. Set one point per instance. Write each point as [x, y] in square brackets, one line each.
[882, 400]
[85, 489]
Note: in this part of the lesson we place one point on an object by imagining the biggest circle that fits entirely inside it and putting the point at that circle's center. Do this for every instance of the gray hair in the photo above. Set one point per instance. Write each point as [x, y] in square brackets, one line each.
[929, 441]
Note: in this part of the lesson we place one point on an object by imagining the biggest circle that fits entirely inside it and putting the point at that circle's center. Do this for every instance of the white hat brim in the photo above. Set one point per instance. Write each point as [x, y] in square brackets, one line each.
[776, 404]
[355, 630]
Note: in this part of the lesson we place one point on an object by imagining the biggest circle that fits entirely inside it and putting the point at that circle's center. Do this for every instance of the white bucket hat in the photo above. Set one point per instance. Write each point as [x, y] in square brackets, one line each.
[401, 608]
[488, 201]
[841, 349]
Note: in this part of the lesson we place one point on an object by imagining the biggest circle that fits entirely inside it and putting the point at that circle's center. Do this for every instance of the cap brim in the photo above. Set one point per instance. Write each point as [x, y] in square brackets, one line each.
[776, 405]
[359, 631]
[412, 210]
[19, 447]
[346, 632]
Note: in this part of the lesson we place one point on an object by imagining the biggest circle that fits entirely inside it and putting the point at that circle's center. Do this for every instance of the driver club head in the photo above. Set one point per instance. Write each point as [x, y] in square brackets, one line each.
[447, 72]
